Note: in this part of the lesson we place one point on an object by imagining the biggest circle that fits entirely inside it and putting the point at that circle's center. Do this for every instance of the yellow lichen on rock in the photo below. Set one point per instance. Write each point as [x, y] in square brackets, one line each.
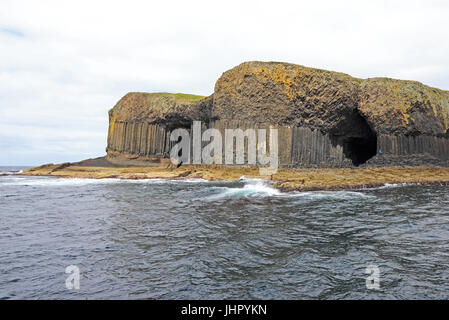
[112, 122]
[419, 108]
[277, 74]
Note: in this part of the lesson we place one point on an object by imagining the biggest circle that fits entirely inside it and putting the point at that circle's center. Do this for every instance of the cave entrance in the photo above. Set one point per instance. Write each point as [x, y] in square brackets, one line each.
[358, 140]
[360, 150]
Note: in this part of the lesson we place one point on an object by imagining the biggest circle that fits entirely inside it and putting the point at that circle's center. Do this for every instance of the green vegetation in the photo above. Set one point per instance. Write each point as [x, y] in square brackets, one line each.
[184, 97]
[179, 97]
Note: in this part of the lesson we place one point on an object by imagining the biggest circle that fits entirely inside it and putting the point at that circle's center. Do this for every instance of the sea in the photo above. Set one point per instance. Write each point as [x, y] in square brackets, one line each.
[63, 238]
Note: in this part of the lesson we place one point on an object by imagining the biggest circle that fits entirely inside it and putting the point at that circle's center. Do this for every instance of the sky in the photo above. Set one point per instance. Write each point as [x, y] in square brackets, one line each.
[64, 64]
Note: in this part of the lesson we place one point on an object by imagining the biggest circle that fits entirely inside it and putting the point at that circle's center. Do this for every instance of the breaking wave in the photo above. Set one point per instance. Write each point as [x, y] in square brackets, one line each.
[57, 181]
[394, 185]
[216, 190]
[260, 188]
[253, 188]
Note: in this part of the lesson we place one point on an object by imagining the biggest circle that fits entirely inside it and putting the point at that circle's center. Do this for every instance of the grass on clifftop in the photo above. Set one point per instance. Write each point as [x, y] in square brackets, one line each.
[179, 97]
[184, 97]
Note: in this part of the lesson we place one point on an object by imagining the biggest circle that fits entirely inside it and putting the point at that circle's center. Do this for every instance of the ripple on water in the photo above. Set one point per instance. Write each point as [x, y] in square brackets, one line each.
[196, 239]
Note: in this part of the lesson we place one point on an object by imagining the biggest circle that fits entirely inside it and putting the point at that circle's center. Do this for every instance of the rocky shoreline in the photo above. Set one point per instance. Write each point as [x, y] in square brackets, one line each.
[286, 180]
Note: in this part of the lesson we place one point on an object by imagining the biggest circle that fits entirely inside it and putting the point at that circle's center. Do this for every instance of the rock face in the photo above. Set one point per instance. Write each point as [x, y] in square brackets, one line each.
[140, 125]
[324, 118]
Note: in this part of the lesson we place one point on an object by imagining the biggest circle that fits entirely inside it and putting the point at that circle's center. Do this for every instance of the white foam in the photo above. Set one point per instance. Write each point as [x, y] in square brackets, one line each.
[191, 180]
[259, 186]
[262, 188]
[252, 188]
[333, 195]
[12, 172]
[56, 181]
[394, 185]
[53, 181]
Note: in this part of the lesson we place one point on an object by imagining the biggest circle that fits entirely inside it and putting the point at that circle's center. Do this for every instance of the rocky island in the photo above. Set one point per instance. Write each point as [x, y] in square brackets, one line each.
[335, 131]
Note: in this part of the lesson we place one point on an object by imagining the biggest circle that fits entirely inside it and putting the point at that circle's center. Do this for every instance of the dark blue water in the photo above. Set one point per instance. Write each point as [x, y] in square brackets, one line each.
[213, 240]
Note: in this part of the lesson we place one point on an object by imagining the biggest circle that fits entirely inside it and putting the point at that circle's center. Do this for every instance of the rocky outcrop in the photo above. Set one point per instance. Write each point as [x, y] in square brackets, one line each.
[325, 119]
[394, 107]
[316, 108]
[175, 109]
[286, 95]
[411, 121]
[140, 125]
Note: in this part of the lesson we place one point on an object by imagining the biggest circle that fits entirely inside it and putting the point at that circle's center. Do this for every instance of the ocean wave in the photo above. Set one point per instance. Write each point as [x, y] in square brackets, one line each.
[243, 188]
[10, 172]
[261, 188]
[252, 188]
[54, 181]
[334, 195]
[190, 180]
[394, 185]
[58, 181]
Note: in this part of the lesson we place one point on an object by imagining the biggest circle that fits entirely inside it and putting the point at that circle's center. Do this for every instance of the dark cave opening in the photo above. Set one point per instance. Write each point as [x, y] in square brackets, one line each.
[360, 150]
[358, 140]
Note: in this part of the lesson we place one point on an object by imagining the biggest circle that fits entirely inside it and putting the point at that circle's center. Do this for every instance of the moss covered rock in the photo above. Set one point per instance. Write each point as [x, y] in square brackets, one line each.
[404, 107]
[160, 107]
[289, 94]
[286, 94]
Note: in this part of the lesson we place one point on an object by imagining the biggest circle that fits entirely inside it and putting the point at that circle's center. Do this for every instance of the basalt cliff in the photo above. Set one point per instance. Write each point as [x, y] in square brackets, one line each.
[324, 118]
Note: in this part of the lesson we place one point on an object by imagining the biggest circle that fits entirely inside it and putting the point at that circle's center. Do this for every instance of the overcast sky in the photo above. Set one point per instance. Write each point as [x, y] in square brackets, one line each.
[64, 64]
